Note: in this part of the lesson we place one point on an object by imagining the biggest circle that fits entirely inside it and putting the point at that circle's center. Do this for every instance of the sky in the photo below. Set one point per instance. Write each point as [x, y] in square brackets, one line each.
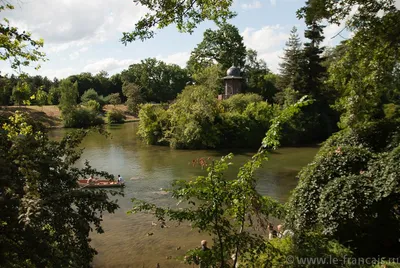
[84, 36]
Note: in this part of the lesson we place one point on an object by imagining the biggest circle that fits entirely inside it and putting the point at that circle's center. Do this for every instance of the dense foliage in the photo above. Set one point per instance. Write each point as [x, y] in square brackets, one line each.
[115, 116]
[198, 120]
[45, 218]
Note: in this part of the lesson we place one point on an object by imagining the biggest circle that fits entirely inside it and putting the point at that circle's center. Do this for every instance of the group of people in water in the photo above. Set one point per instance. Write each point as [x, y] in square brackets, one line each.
[93, 180]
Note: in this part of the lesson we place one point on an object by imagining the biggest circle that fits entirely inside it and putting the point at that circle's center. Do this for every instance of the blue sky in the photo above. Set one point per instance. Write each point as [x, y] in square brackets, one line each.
[83, 36]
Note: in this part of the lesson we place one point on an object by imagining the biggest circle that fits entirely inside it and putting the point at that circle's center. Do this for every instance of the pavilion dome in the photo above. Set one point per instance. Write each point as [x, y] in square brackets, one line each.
[233, 71]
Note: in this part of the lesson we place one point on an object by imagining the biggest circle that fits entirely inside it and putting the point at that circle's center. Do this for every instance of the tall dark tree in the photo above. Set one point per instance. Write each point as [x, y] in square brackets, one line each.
[224, 46]
[313, 71]
[291, 65]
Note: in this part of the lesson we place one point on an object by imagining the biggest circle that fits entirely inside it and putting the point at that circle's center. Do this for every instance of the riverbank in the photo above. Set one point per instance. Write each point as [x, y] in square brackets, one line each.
[50, 115]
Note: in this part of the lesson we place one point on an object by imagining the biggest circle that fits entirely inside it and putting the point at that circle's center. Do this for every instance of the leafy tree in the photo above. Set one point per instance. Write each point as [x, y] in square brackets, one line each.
[82, 118]
[45, 218]
[16, 47]
[69, 96]
[259, 78]
[114, 99]
[366, 75]
[41, 97]
[224, 46]
[21, 93]
[115, 116]
[225, 208]
[91, 94]
[239, 102]
[158, 81]
[210, 77]
[5, 90]
[54, 95]
[153, 123]
[93, 106]
[192, 119]
[133, 96]
[185, 14]
[291, 65]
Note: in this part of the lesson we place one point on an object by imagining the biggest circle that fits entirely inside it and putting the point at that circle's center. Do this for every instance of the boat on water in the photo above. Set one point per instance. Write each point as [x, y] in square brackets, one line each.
[100, 184]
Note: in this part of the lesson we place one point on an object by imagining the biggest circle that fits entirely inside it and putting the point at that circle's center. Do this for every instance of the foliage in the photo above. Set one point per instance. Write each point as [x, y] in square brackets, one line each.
[91, 94]
[54, 96]
[16, 47]
[114, 99]
[349, 190]
[115, 116]
[46, 218]
[82, 118]
[192, 119]
[226, 208]
[69, 96]
[133, 97]
[291, 65]
[210, 77]
[259, 78]
[185, 14]
[238, 103]
[283, 252]
[21, 93]
[224, 46]
[158, 81]
[153, 121]
[93, 106]
[41, 97]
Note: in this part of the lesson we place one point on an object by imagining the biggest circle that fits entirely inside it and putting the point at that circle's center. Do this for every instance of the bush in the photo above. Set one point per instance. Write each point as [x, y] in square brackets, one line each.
[115, 116]
[81, 118]
[351, 190]
[153, 120]
[93, 106]
[238, 103]
[91, 95]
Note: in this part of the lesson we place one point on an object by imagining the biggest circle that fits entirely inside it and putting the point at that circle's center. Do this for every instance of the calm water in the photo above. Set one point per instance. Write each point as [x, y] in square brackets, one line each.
[148, 169]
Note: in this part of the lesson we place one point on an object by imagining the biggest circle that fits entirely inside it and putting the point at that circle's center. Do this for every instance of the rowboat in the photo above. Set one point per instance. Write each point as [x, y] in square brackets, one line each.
[100, 184]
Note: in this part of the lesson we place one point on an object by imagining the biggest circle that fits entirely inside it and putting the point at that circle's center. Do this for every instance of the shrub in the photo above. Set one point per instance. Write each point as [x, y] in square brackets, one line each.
[238, 103]
[81, 117]
[351, 190]
[91, 95]
[152, 123]
[115, 116]
[93, 106]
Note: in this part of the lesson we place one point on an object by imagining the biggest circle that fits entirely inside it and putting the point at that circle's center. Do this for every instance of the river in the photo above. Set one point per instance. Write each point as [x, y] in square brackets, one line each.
[147, 170]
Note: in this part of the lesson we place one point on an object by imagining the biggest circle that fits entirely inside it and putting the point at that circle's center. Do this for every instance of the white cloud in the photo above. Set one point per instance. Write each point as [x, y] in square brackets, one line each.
[110, 65]
[253, 5]
[268, 41]
[65, 24]
[179, 58]
[74, 55]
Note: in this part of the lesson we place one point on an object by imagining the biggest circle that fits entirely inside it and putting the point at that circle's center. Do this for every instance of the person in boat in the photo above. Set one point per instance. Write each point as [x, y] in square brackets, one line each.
[272, 232]
[120, 179]
[90, 180]
[282, 232]
[205, 257]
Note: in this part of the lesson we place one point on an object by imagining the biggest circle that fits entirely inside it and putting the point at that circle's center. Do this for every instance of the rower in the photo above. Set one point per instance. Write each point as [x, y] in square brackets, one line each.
[120, 179]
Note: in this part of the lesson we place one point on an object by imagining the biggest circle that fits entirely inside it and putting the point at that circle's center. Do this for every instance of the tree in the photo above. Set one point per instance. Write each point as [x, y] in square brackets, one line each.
[41, 97]
[21, 93]
[133, 97]
[18, 48]
[46, 218]
[224, 46]
[158, 81]
[314, 71]
[54, 95]
[291, 65]
[366, 72]
[185, 14]
[259, 78]
[91, 94]
[114, 99]
[210, 77]
[69, 96]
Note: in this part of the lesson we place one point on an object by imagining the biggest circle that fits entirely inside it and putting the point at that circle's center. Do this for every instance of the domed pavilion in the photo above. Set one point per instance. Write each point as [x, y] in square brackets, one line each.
[233, 83]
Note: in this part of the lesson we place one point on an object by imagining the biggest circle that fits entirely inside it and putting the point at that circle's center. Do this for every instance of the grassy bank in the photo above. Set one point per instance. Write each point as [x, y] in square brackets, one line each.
[50, 115]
